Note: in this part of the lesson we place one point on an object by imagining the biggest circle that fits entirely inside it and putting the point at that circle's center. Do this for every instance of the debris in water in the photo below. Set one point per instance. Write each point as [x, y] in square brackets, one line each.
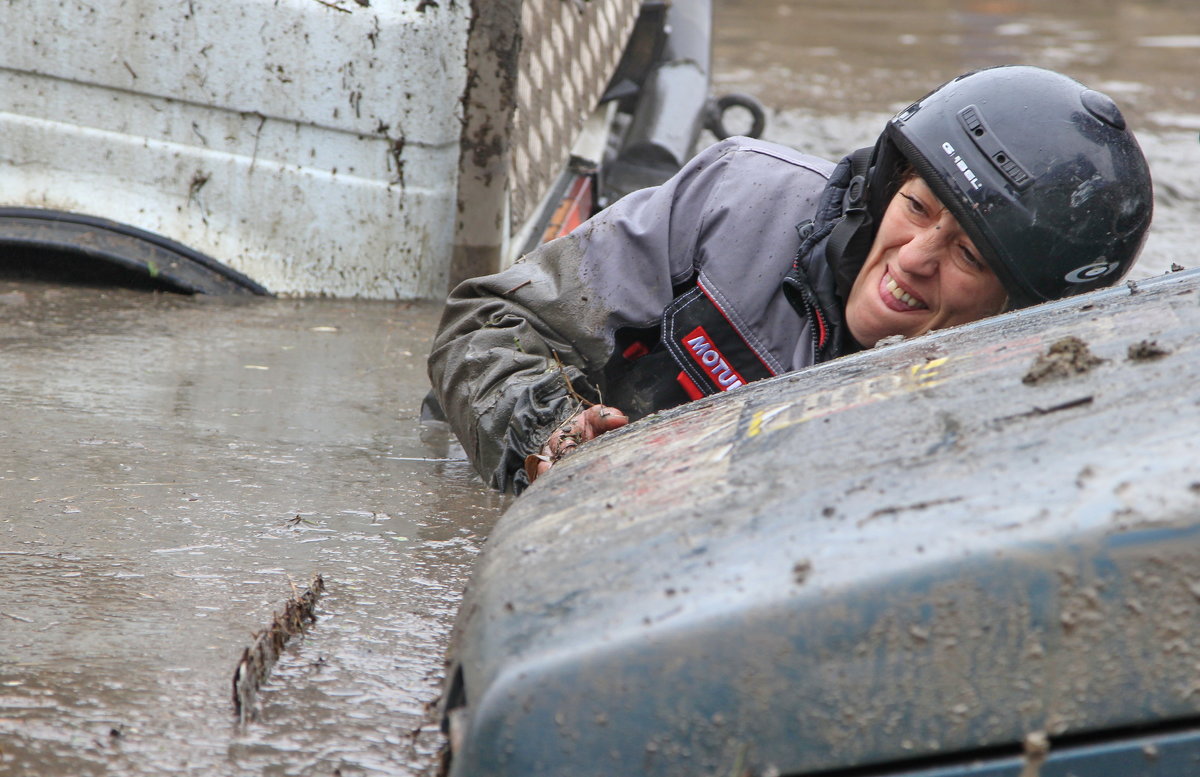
[1069, 356]
[1146, 350]
[260, 657]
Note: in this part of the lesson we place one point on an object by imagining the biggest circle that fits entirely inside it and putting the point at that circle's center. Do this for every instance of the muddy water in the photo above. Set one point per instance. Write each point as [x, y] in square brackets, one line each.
[832, 73]
[156, 451]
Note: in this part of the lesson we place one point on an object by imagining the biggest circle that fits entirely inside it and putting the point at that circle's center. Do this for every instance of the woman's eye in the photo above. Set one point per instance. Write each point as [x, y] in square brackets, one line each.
[915, 205]
[972, 259]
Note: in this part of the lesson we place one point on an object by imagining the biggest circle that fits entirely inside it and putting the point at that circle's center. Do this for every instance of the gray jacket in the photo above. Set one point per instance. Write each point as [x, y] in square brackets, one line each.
[656, 274]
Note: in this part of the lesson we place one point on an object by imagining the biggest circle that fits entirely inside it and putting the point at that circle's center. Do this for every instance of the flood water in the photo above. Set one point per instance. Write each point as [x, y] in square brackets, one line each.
[831, 74]
[171, 466]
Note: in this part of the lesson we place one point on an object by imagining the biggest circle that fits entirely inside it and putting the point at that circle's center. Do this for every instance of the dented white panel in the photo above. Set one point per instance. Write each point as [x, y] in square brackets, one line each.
[311, 145]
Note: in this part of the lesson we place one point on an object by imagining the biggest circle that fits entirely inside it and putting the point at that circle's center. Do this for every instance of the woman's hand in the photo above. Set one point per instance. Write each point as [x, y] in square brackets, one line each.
[585, 425]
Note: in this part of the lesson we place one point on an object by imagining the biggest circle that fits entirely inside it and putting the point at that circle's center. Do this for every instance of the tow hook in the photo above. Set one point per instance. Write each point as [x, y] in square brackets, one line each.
[717, 108]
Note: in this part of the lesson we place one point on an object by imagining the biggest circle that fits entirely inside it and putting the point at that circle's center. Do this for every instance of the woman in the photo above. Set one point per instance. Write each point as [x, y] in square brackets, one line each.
[1000, 189]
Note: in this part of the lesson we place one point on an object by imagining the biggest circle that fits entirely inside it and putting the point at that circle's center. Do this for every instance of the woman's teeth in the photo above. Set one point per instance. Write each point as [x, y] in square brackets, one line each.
[903, 295]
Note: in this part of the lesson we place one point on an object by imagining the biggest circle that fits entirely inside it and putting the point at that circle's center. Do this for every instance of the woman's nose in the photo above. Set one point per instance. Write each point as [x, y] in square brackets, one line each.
[922, 255]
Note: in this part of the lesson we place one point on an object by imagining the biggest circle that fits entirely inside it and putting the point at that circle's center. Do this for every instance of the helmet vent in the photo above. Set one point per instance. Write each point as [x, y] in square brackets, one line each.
[1103, 108]
[971, 119]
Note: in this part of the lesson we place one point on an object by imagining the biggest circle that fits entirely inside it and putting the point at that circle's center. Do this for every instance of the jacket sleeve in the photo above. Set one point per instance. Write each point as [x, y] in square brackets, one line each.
[515, 350]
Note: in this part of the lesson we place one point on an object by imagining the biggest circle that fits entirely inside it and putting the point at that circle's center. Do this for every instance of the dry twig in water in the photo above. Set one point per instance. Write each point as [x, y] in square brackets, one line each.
[257, 660]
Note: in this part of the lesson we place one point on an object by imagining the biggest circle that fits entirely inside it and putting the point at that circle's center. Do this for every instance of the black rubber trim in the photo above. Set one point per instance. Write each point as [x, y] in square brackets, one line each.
[164, 261]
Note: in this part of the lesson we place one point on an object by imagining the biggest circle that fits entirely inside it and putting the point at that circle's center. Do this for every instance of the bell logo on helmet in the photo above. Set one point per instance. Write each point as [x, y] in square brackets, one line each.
[962, 166]
[1090, 272]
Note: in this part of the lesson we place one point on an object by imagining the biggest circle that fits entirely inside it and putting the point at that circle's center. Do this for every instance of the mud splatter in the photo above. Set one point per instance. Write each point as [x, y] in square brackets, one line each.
[1146, 350]
[1066, 357]
[1036, 747]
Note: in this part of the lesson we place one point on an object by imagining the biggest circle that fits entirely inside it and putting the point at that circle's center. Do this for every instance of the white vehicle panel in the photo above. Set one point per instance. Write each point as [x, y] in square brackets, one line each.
[312, 146]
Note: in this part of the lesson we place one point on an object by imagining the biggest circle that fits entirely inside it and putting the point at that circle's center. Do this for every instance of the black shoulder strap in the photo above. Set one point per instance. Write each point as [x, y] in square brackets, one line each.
[854, 217]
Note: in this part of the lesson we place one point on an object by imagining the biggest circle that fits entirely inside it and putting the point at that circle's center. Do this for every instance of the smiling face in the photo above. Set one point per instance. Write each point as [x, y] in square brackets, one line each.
[922, 273]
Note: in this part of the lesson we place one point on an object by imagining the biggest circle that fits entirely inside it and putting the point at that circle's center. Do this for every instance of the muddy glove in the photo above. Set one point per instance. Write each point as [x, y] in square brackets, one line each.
[585, 425]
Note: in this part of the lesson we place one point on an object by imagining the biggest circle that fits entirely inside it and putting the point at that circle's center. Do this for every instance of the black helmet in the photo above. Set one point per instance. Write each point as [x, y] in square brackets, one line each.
[1038, 169]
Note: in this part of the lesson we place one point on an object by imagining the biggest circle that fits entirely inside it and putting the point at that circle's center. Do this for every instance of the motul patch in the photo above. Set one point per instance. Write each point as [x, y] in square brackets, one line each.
[701, 348]
[712, 353]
